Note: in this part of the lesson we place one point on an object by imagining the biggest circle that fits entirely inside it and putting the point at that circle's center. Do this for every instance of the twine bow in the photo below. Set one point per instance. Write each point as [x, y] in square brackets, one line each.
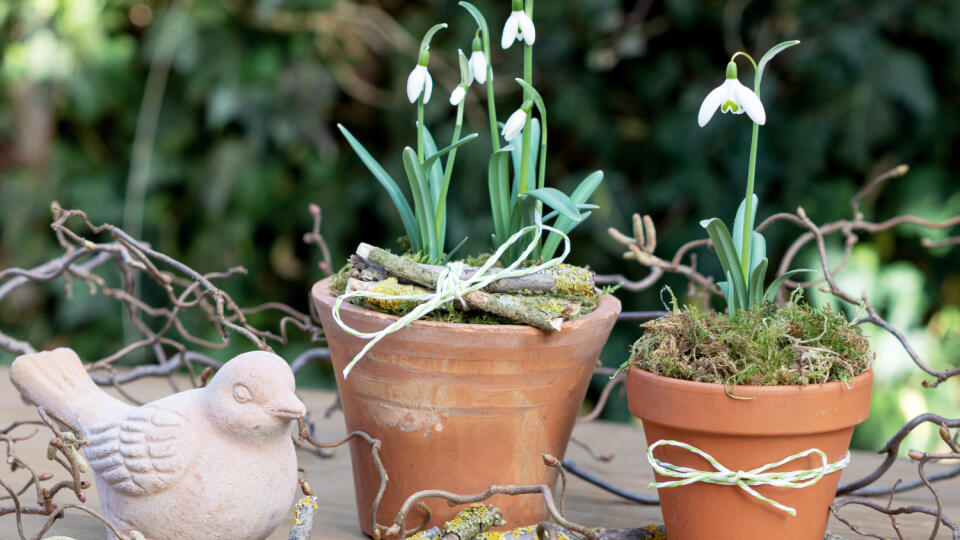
[451, 286]
[744, 479]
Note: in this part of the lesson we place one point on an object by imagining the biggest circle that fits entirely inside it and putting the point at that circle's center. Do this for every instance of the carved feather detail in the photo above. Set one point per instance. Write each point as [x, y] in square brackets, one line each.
[143, 453]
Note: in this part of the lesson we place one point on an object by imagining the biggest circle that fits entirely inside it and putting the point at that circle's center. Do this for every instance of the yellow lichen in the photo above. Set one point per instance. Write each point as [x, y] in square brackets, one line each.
[548, 304]
[301, 507]
[572, 280]
[391, 287]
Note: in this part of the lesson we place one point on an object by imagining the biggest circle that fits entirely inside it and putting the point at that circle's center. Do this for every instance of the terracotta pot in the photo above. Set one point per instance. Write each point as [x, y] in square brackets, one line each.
[461, 407]
[745, 434]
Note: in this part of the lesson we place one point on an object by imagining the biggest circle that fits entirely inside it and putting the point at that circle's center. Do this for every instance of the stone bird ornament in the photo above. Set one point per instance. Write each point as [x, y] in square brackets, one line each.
[216, 462]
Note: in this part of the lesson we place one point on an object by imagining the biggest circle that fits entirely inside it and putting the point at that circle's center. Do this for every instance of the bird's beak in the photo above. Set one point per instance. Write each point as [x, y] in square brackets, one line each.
[288, 406]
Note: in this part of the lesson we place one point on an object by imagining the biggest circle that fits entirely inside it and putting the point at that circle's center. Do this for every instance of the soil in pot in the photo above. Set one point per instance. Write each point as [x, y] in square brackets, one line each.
[461, 407]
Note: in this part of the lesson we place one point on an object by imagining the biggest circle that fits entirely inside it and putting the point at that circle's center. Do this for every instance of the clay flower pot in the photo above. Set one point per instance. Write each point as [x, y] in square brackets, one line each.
[461, 407]
[742, 435]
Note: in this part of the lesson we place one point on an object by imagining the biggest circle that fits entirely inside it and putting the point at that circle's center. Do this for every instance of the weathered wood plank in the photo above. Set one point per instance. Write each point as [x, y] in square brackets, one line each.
[337, 519]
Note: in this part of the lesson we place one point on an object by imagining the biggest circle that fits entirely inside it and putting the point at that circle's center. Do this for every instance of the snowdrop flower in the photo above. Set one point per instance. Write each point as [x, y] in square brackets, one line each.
[518, 27]
[478, 61]
[458, 94]
[419, 81]
[515, 123]
[732, 97]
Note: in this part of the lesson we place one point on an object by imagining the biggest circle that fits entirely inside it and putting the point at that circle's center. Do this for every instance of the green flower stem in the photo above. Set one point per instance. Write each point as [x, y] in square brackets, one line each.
[748, 211]
[492, 107]
[528, 77]
[491, 103]
[442, 202]
[751, 174]
[420, 128]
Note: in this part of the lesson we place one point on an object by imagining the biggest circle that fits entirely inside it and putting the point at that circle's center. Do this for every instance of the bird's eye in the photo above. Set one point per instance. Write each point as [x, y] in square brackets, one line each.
[241, 393]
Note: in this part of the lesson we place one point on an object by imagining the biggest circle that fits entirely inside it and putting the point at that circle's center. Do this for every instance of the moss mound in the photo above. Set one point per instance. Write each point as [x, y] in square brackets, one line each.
[765, 346]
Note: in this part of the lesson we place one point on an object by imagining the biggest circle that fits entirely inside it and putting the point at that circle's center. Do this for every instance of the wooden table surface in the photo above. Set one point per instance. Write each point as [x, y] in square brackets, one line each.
[586, 504]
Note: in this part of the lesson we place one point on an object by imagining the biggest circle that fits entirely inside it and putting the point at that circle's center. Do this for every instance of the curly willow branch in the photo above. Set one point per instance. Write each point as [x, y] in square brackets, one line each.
[163, 333]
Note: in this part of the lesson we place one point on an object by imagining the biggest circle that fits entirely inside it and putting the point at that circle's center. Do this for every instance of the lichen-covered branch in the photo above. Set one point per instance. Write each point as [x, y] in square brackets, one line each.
[545, 312]
[563, 279]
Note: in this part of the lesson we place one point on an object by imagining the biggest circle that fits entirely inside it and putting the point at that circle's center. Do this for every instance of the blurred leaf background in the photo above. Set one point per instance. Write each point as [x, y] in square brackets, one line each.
[208, 126]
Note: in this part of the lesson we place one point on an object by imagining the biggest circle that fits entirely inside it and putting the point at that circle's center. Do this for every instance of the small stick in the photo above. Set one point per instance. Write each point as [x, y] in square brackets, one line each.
[546, 313]
[562, 279]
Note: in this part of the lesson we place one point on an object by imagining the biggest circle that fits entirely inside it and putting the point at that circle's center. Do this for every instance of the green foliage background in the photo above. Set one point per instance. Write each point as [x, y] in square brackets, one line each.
[245, 139]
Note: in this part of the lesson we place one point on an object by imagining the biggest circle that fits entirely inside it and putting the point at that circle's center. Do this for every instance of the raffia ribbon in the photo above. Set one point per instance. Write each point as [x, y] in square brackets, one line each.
[743, 479]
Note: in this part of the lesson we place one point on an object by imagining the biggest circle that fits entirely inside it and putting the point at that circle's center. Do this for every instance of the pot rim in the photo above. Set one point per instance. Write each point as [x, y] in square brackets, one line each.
[607, 306]
[773, 410]
[745, 390]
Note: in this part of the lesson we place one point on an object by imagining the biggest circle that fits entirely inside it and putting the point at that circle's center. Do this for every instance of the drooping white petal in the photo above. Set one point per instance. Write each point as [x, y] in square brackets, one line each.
[730, 104]
[527, 31]
[710, 104]
[427, 86]
[478, 66]
[514, 124]
[415, 82]
[750, 103]
[457, 95]
[510, 29]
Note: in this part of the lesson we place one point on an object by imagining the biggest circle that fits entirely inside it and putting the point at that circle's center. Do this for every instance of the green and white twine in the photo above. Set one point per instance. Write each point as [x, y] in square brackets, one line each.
[450, 286]
[744, 479]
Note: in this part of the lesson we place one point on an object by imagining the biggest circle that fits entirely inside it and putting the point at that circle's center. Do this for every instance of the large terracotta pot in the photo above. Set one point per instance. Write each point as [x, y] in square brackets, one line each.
[461, 407]
[778, 422]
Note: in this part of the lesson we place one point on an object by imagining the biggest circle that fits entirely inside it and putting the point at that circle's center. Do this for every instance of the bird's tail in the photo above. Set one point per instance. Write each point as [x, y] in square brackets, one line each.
[57, 381]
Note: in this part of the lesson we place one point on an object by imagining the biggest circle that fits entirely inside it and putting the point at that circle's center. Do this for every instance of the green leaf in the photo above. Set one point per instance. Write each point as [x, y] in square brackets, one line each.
[771, 293]
[722, 243]
[738, 225]
[555, 213]
[758, 249]
[425, 213]
[456, 248]
[731, 296]
[434, 169]
[756, 282]
[580, 195]
[393, 190]
[556, 199]
[775, 50]
[498, 186]
[439, 153]
[516, 157]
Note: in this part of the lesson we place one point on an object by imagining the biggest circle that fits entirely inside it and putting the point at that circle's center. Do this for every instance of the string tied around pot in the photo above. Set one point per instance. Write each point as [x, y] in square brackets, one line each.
[452, 286]
[744, 479]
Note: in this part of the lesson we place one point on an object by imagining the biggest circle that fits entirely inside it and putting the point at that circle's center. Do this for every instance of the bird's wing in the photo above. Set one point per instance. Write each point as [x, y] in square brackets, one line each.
[143, 453]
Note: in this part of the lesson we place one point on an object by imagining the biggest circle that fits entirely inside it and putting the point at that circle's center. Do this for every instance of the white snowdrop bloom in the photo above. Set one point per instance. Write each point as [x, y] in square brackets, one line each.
[514, 124]
[518, 27]
[419, 81]
[732, 97]
[478, 62]
[458, 94]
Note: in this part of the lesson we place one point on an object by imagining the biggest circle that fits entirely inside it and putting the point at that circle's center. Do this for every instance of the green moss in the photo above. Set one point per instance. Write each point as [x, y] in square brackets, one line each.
[338, 283]
[766, 345]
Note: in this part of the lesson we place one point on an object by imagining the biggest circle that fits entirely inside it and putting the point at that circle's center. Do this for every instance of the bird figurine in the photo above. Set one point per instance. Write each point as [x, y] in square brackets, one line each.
[216, 462]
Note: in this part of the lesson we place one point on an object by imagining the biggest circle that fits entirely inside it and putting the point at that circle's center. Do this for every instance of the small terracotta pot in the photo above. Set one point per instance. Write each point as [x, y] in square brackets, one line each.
[778, 422]
[461, 407]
